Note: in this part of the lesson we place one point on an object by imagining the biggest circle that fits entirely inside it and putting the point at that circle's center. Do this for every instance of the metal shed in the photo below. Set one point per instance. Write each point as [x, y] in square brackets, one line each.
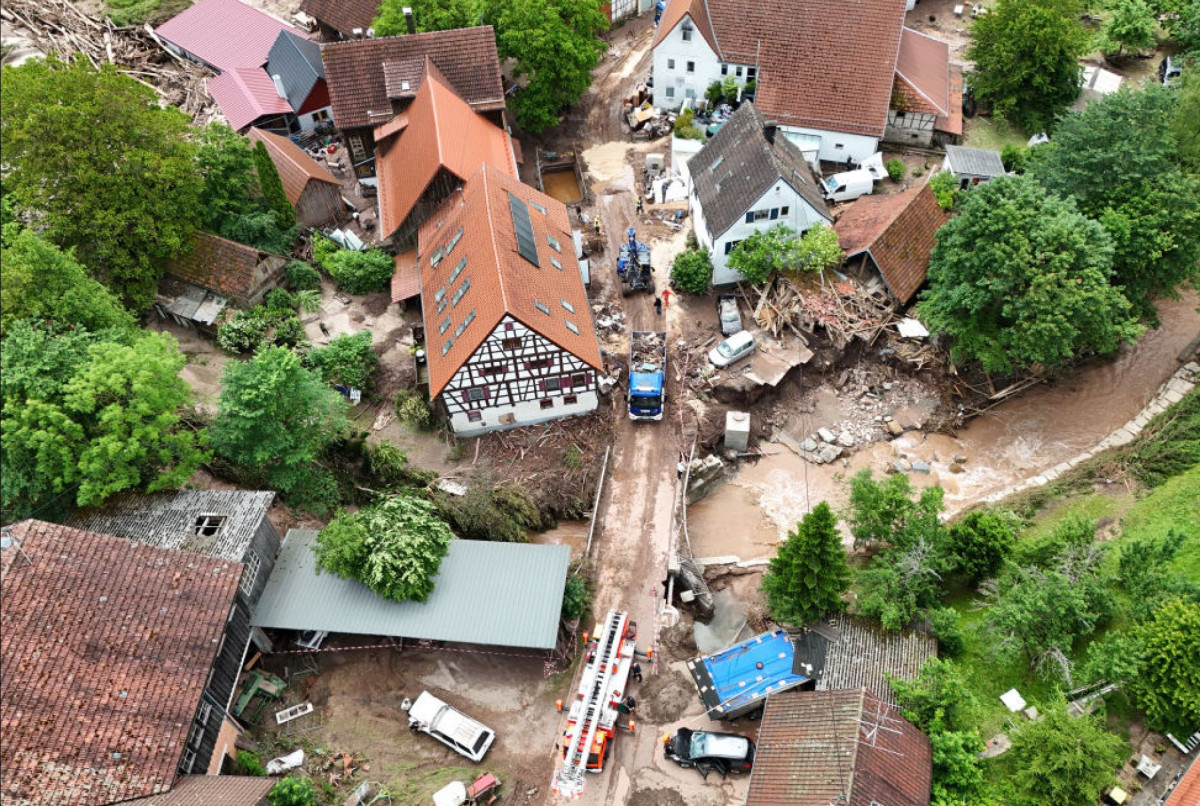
[499, 594]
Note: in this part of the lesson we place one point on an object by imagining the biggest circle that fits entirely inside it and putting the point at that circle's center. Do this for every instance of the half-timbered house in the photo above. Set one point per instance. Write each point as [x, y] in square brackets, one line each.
[509, 334]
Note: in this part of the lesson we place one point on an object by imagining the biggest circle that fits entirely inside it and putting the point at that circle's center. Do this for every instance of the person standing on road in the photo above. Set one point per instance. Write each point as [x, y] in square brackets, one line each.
[636, 672]
[666, 297]
[658, 303]
[639, 205]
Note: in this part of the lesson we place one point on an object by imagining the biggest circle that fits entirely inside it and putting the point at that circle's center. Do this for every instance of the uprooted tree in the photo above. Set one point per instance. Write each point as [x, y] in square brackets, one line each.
[394, 547]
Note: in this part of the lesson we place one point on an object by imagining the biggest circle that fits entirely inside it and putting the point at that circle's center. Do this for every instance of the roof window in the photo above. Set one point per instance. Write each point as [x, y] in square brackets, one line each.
[567, 305]
[537, 207]
[446, 347]
[554, 262]
[571, 326]
[462, 264]
[209, 525]
[541, 306]
[554, 244]
[444, 325]
[458, 331]
[462, 289]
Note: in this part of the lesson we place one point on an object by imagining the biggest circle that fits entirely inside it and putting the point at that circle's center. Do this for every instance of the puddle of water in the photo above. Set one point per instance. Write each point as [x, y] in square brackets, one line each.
[562, 185]
[567, 533]
[729, 617]
[1015, 441]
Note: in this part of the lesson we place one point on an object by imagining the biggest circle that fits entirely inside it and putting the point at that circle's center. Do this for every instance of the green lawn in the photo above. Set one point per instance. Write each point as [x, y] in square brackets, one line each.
[991, 133]
[1174, 505]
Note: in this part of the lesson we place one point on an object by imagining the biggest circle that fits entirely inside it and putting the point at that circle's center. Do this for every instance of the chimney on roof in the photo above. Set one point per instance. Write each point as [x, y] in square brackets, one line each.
[769, 129]
[278, 82]
[409, 21]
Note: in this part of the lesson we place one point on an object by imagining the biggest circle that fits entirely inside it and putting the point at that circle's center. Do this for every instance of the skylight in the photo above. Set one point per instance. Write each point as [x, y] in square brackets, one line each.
[541, 306]
[446, 347]
[554, 244]
[523, 226]
[537, 207]
[571, 327]
[554, 262]
[567, 305]
[458, 331]
[462, 289]
[442, 327]
[462, 264]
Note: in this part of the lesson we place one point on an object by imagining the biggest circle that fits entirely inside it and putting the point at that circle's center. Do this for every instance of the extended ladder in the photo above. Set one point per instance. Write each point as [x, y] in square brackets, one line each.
[594, 693]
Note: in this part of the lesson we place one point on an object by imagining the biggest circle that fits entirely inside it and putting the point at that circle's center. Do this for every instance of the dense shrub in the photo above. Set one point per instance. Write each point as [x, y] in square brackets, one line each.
[277, 299]
[575, 598]
[243, 333]
[302, 277]
[896, 168]
[944, 187]
[692, 271]
[354, 272]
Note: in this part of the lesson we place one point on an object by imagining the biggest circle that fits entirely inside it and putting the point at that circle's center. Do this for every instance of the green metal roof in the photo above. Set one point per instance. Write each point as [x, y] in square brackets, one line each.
[502, 594]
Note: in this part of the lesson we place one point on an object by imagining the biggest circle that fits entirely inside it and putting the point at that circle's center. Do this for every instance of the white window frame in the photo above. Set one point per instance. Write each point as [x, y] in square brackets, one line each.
[250, 573]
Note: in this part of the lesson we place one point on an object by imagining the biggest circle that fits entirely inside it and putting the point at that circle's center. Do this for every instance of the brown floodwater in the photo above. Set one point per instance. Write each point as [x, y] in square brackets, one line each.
[1020, 438]
[567, 533]
[562, 185]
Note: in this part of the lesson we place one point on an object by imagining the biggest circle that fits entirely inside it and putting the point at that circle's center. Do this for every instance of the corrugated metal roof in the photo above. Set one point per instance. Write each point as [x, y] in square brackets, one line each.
[224, 33]
[503, 594]
[974, 161]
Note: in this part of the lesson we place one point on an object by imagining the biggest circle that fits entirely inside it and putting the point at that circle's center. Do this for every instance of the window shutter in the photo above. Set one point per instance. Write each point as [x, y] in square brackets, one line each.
[527, 366]
[466, 396]
[750, 217]
[565, 383]
[542, 385]
[774, 213]
[587, 379]
[486, 394]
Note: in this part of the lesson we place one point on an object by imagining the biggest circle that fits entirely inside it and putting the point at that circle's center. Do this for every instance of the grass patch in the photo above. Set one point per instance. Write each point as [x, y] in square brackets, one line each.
[408, 785]
[1174, 505]
[992, 133]
[1091, 506]
[137, 12]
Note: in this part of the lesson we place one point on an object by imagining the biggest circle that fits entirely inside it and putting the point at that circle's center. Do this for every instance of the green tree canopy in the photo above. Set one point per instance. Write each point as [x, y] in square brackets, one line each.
[347, 360]
[272, 187]
[394, 547]
[428, 15]
[883, 513]
[938, 699]
[808, 574]
[276, 417]
[293, 792]
[107, 421]
[692, 271]
[41, 282]
[1042, 613]
[226, 163]
[106, 169]
[758, 257]
[1118, 159]
[1183, 125]
[1167, 652]
[554, 45]
[1130, 26]
[1021, 278]
[1025, 54]
[1064, 760]
[980, 542]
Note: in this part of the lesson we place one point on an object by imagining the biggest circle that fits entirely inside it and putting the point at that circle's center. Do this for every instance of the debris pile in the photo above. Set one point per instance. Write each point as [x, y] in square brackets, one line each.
[843, 307]
[57, 26]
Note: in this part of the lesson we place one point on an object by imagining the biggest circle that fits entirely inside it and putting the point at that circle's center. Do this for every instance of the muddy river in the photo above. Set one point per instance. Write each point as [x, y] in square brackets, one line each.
[1015, 441]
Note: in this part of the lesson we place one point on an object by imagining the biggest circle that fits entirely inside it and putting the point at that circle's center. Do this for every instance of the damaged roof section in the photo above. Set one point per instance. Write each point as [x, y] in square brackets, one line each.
[236, 271]
[861, 653]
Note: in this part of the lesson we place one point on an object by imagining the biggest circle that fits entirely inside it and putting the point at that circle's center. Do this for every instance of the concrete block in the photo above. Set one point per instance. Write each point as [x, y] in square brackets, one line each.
[737, 431]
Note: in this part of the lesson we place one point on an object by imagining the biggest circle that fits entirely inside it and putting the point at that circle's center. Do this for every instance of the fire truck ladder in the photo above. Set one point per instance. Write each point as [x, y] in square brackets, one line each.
[593, 691]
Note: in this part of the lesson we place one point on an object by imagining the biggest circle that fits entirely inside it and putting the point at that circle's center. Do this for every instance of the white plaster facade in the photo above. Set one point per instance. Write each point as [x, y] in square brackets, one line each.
[835, 146]
[683, 48]
[309, 120]
[781, 205]
[517, 377]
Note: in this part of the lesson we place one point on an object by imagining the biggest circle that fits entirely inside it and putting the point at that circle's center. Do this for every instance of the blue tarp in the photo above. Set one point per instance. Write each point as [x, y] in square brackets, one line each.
[737, 680]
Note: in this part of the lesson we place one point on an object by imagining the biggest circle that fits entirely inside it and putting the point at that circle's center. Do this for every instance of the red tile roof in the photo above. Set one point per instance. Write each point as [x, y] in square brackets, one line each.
[358, 83]
[246, 94]
[674, 13]
[825, 64]
[406, 282]
[1187, 791]
[953, 122]
[296, 168]
[898, 231]
[498, 280]
[225, 33]
[816, 748]
[106, 646]
[343, 15]
[442, 134]
[222, 266]
[923, 70]
[212, 790]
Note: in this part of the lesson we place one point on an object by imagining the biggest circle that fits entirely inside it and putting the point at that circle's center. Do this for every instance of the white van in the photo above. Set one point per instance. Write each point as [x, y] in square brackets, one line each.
[452, 728]
[848, 185]
[734, 348]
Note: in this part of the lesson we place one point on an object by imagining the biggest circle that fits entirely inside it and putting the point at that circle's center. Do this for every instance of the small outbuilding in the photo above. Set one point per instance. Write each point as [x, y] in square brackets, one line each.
[970, 166]
[214, 273]
[312, 190]
[894, 235]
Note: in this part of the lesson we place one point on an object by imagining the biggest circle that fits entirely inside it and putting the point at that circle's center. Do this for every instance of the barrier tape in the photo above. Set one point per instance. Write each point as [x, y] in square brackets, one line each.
[398, 646]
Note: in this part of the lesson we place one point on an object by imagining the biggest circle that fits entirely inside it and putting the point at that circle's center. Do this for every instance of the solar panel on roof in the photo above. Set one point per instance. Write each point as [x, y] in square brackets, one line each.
[523, 225]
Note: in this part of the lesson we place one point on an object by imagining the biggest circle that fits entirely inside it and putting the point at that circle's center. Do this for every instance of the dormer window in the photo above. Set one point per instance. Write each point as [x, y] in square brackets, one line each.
[686, 29]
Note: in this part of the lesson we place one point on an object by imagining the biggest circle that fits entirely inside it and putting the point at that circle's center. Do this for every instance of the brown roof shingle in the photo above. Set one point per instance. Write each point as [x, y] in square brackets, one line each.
[496, 279]
[442, 133]
[738, 165]
[1187, 791]
[212, 790]
[923, 71]
[296, 169]
[898, 231]
[697, 10]
[106, 646]
[816, 748]
[222, 266]
[826, 64]
[343, 15]
[358, 81]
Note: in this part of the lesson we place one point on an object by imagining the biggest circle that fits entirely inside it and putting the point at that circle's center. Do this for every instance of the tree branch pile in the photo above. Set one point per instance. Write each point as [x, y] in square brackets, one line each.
[58, 27]
[844, 308]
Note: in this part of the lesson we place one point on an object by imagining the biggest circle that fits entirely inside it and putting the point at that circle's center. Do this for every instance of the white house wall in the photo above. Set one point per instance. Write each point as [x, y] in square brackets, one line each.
[309, 120]
[801, 217]
[521, 394]
[838, 146]
[673, 49]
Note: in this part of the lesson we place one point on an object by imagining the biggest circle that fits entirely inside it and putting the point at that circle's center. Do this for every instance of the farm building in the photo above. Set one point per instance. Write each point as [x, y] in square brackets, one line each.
[312, 190]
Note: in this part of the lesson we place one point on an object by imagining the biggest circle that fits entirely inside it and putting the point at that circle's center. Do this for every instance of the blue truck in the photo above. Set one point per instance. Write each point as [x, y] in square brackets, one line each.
[633, 266]
[647, 374]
